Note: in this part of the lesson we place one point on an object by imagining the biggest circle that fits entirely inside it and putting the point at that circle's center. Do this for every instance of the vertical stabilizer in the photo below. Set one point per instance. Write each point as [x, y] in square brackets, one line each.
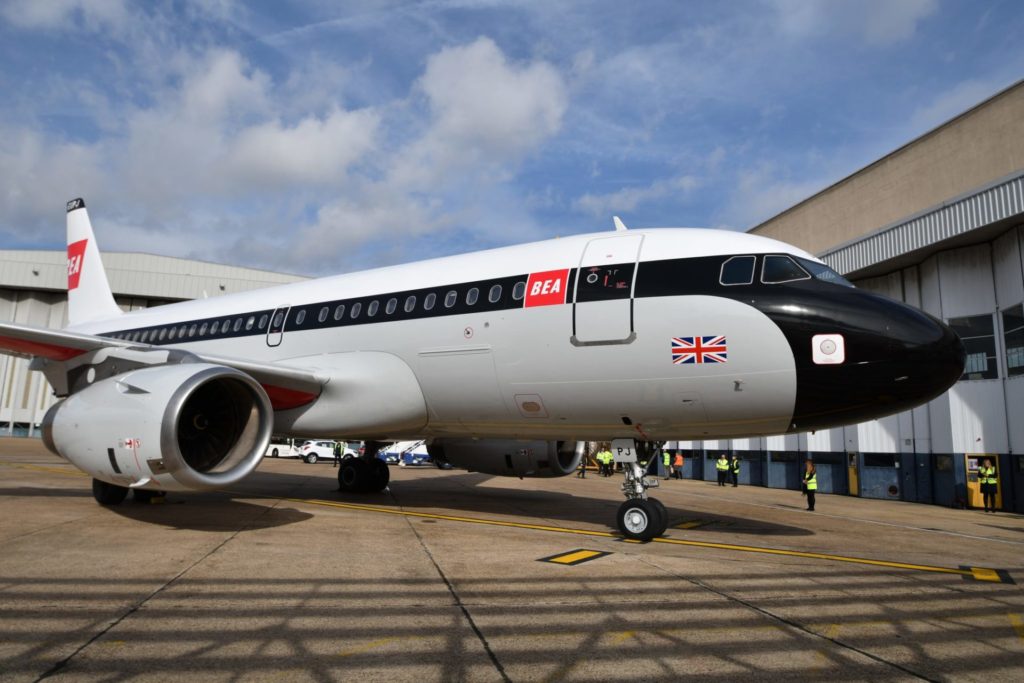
[89, 296]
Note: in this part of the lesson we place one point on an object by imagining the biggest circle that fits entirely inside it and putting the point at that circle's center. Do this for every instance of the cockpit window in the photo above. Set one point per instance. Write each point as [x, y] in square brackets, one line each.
[738, 270]
[822, 272]
[779, 269]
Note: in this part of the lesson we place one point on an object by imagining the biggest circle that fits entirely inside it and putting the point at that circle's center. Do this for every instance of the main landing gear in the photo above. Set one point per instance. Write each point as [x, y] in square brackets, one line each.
[365, 474]
[640, 518]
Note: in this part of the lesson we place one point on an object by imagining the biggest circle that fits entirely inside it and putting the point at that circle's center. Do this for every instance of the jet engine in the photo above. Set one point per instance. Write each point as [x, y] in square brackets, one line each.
[509, 458]
[168, 427]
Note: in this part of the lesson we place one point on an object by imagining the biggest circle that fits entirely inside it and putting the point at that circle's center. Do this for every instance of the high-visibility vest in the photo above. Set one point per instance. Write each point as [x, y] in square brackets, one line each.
[667, 459]
[679, 459]
[987, 475]
[735, 465]
[722, 465]
[811, 480]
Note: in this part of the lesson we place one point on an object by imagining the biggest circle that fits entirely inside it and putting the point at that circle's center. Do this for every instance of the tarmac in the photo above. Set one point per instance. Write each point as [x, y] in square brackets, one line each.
[456, 576]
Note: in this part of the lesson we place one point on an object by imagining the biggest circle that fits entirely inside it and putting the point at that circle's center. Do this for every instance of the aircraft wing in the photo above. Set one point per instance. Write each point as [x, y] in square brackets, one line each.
[287, 386]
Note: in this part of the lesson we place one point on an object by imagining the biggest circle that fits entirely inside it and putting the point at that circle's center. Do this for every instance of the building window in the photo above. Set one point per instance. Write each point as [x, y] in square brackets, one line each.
[1013, 340]
[980, 344]
[879, 460]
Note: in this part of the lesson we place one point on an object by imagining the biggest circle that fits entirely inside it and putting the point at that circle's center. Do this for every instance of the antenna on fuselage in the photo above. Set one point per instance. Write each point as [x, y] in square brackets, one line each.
[619, 225]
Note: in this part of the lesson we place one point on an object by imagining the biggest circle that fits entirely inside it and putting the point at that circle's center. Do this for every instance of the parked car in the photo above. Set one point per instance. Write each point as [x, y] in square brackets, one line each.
[281, 447]
[314, 451]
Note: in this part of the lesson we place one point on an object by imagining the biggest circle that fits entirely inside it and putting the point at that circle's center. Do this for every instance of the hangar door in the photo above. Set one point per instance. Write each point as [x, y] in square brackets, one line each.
[603, 304]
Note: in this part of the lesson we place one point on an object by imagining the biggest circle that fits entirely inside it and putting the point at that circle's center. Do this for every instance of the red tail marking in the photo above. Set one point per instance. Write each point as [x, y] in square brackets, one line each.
[76, 253]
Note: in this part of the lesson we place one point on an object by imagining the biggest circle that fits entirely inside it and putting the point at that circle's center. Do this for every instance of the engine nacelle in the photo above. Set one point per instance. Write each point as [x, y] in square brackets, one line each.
[169, 427]
[507, 458]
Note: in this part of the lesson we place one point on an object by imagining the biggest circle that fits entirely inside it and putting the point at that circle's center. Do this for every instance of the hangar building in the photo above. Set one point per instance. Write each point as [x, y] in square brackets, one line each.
[938, 223]
[33, 291]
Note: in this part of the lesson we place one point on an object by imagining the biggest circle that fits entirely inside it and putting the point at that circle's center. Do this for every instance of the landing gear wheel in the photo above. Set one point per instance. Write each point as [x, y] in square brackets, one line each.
[351, 475]
[108, 494]
[660, 507]
[274, 453]
[379, 477]
[639, 520]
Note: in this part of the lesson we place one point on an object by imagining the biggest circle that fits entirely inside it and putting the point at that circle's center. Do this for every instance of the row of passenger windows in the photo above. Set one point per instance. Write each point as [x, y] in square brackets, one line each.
[354, 311]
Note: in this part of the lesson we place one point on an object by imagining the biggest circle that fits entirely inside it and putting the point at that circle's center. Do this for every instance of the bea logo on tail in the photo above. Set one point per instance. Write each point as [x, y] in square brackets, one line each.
[76, 252]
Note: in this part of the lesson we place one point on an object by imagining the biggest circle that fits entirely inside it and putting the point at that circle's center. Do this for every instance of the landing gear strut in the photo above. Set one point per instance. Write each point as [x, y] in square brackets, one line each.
[640, 518]
[365, 474]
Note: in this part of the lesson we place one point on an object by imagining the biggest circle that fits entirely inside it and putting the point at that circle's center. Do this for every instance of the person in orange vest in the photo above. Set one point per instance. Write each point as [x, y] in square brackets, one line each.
[989, 484]
[677, 466]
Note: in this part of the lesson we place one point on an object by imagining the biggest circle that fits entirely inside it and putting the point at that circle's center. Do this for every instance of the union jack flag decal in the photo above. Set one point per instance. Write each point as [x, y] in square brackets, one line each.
[687, 350]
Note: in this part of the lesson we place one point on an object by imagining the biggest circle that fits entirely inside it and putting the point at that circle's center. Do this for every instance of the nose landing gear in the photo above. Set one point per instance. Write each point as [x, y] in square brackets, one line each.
[640, 518]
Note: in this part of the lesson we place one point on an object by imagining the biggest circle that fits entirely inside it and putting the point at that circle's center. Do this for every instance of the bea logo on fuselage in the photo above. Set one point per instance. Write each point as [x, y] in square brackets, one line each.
[547, 288]
[76, 251]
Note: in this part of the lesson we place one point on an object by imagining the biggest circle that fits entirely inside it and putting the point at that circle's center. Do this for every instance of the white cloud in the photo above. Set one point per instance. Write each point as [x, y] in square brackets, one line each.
[628, 198]
[951, 103]
[877, 22]
[761, 194]
[67, 15]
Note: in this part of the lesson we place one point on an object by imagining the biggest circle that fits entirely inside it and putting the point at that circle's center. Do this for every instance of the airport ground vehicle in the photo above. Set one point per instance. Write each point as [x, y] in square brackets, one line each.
[405, 453]
[314, 451]
[281, 447]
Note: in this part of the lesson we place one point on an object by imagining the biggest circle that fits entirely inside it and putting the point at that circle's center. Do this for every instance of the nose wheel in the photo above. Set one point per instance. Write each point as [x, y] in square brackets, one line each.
[640, 518]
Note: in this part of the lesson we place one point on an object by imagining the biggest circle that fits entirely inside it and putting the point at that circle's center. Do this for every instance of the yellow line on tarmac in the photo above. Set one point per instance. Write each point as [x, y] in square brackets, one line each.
[971, 572]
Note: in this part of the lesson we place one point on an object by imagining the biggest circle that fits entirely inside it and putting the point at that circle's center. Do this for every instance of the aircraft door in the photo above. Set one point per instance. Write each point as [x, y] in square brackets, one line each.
[603, 301]
[275, 332]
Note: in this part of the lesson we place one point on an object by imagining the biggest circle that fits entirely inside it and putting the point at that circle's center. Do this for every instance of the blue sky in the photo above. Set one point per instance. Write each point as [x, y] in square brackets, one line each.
[318, 137]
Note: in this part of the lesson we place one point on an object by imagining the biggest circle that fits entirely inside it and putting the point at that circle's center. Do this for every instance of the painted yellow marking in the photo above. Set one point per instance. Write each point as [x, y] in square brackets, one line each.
[984, 574]
[1017, 623]
[692, 524]
[366, 647]
[831, 631]
[575, 557]
[963, 571]
[622, 636]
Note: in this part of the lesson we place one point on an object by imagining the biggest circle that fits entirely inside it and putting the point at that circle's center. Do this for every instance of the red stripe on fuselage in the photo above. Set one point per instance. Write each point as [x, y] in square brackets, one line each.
[35, 348]
[286, 399]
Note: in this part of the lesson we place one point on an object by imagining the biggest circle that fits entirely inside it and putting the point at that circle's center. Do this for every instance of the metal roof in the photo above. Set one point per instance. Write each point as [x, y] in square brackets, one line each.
[137, 275]
[920, 234]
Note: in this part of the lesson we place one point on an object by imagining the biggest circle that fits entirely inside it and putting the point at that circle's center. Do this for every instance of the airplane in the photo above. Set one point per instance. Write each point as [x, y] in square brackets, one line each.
[505, 361]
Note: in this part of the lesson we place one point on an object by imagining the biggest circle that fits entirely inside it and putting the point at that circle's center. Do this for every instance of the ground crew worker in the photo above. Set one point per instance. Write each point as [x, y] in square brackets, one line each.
[989, 484]
[734, 469]
[337, 454]
[722, 465]
[581, 471]
[810, 484]
[604, 458]
[677, 466]
[666, 459]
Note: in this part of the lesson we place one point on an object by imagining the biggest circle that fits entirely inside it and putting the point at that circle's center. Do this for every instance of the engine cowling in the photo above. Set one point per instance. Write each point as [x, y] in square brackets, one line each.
[170, 427]
[508, 458]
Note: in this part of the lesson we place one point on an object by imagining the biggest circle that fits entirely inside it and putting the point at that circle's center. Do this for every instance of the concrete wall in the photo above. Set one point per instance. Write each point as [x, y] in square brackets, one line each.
[974, 149]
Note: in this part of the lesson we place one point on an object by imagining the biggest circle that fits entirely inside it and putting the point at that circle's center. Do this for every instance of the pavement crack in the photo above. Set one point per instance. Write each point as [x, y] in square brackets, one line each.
[461, 605]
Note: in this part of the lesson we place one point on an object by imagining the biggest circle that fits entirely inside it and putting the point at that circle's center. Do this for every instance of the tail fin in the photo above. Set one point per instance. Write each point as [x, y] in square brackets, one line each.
[89, 296]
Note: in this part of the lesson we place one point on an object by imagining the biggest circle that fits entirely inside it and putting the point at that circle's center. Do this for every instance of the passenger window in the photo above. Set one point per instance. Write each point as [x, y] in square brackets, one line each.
[738, 270]
[299, 318]
[519, 291]
[172, 333]
[339, 312]
[472, 295]
[263, 321]
[356, 307]
[450, 298]
[410, 303]
[163, 333]
[372, 309]
[250, 322]
[192, 330]
[428, 301]
[495, 294]
[214, 327]
[238, 324]
[322, 316]
[225, 326]
[779, 269]
[203, 328]
[392, 305]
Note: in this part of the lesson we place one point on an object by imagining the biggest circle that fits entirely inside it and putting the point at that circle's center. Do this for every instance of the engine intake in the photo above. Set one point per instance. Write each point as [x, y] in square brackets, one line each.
[171, 427]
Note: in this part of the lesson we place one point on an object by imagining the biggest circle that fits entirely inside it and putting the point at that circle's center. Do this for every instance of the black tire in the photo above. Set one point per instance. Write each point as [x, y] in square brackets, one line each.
[273, 453]
[380, 475]
[660, 507]
[311, 458]
[638, 520]
[351, 475]
[108, 494]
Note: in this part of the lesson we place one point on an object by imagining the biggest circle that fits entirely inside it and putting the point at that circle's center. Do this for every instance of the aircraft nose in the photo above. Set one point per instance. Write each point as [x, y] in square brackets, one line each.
[928, 358]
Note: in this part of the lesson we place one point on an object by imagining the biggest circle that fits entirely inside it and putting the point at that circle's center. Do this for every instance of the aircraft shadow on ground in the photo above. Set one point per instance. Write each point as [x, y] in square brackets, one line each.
[209, 512]
[43, 492]
[551, 625]
[462, 493]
